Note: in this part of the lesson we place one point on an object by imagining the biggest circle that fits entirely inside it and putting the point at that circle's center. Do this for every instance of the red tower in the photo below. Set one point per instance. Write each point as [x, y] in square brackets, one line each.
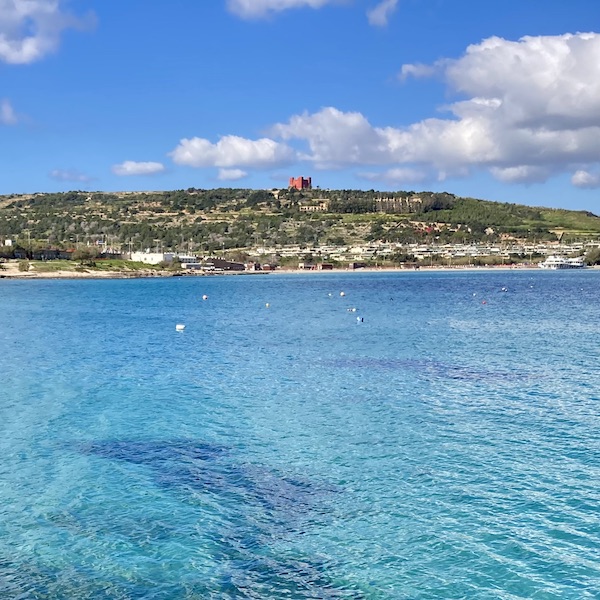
[300, 183]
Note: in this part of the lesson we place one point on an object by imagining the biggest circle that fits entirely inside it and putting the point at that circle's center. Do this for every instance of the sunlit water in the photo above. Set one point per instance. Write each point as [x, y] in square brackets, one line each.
[447, 446]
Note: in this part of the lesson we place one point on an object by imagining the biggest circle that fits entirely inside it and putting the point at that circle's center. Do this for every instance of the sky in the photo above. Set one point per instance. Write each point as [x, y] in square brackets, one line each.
[492, 100]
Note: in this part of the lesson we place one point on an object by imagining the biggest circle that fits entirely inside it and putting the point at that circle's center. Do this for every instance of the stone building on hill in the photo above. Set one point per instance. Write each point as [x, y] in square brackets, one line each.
[300, 183]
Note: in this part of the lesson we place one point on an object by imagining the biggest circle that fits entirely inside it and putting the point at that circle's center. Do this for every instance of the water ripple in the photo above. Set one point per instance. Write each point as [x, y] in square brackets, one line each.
[442, 448]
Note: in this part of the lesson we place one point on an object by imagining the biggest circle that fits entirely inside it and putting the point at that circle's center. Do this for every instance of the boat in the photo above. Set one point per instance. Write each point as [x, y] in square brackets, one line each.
[560, 262]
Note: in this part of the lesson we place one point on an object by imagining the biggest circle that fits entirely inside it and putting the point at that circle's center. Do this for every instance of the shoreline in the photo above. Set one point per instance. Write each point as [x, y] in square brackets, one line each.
[11, 272]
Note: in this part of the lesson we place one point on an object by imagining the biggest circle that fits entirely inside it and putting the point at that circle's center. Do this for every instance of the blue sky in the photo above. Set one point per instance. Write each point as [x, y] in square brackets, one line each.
[494, 100]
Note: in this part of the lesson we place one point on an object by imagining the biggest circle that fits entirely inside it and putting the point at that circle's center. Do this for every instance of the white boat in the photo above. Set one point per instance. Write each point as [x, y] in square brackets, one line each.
[560, 262]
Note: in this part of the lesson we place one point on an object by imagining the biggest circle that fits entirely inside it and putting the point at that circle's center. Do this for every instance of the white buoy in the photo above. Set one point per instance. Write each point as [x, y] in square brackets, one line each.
[180, 327]
[342, 294]
[205, 297]
[267, 305]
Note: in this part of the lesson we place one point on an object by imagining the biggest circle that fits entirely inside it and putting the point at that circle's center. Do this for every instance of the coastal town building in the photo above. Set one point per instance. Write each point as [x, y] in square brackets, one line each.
[397, 204]
[148, 258]
[317, 205]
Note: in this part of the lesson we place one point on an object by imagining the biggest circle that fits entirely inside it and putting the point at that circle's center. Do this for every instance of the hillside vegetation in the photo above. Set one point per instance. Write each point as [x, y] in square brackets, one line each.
[208, 220]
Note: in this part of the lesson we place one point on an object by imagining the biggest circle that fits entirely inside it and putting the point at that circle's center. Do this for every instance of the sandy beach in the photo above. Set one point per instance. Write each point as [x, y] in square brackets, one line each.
[10, 270]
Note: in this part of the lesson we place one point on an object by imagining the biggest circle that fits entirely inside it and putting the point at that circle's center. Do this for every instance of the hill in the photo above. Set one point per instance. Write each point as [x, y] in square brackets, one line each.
[224, 218]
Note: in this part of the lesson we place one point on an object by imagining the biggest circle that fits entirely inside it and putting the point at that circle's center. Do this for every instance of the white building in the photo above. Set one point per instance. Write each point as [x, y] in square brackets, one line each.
[149, 258]
[155, 258]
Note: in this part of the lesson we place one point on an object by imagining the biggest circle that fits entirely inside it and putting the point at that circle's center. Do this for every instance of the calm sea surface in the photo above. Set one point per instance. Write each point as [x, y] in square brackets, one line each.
[446, 446]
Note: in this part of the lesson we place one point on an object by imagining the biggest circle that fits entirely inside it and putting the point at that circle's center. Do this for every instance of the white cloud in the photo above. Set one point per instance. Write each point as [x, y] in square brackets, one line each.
[338, 139]
[529, 109]
[260, 9]
[30, 29]
[521, 174]
[231, 174]
[380, 14]
[335, 138]
[397, 176]
[7, 113]
[232, 151]
[417, 70]
[130, 167]
[255, 9]
[550, 82]
[585, 179]
[69, 175]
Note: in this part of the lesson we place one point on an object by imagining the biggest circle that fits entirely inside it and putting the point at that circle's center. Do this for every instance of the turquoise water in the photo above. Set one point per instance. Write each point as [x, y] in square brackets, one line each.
[447, 446]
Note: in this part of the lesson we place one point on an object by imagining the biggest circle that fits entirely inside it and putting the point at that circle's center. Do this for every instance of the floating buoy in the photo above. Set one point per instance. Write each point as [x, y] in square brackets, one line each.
[342, 294]
[205, 297]
[267, 305]
[330, 295]
[484, 302]
[180, 327]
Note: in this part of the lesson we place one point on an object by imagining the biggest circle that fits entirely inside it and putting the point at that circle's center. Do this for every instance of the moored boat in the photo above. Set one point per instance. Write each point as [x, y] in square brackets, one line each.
[560, 262]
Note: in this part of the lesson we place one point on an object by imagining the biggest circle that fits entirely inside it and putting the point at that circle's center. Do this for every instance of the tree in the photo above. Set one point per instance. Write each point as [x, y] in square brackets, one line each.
[593, 257]
[402, 257]
[86, 256]
[377, 232]
[259, 196]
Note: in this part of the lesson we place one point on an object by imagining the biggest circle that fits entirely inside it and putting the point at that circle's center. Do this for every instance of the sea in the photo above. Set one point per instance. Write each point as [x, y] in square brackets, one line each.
[406, 435]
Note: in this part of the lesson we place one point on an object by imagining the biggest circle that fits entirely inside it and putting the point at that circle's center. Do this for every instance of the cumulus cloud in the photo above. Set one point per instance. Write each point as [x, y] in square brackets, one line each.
[231, 174]
[380, 14]
[527, 110]
[130, 167]
[547, 82]
[256, 9]
[335, 138]
[232, 151]
[339, 139]
[401, 175]
[30, 29]
[7, 113]
[585, 179]
[69, 175]
[521, 174]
